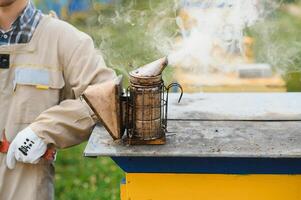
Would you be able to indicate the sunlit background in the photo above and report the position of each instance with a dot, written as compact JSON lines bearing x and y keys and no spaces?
{"x":213,"y":46}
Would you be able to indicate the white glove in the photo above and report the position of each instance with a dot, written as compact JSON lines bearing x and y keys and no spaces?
{"x":27,"y":147}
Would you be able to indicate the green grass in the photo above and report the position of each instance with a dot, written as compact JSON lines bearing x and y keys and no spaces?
{"x":80,"y":178}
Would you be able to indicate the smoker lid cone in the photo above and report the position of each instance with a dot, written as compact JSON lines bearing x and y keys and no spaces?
{"x":150,"y":70}
{"x":104,"y":99}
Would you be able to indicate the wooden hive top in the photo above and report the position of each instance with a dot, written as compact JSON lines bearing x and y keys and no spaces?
{"x":220,"y":125}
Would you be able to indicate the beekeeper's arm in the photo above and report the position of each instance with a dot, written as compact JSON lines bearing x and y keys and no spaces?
{"x":70,"y":122}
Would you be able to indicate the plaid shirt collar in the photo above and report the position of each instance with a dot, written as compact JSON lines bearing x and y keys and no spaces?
{"x":25,"y":16}
{"x":23,"y":27}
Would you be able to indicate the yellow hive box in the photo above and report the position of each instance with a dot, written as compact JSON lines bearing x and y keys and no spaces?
{"x":210,"y":187}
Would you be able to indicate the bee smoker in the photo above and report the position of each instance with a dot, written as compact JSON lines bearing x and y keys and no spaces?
{"x":140,"y":111}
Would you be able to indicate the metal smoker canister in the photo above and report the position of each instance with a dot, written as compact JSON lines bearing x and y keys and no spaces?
{"x":147,"y":99}
{"x":140,"y":111}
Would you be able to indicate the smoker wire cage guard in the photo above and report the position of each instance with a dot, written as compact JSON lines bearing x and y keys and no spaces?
{"x":147,"y":108}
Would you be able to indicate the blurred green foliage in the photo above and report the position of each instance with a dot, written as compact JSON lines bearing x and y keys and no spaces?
{"x":79,"y":178}
{"x":278,"y":42}
{"x":293,"y":81}
{"x":128,"y":34}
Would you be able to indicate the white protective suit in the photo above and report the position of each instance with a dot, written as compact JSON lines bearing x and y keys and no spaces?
{"x":41,"y":89}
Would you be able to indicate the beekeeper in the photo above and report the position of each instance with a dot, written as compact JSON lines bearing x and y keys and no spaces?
{"x":45,"y":65}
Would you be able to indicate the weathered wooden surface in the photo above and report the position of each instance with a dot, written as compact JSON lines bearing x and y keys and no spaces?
{"x":236,"y":106}
{"x":210,"y":139}
{"x":198,"y":129}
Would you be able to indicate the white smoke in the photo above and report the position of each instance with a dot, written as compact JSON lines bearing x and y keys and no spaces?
{"x":215,"y":32}
{"x":202,"y":35}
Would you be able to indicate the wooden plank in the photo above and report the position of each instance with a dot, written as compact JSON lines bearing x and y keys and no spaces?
{"x":236,"y":106}
{"x":197,"y":80}
{"x":210,"y":139}
{"x":231,"y":89}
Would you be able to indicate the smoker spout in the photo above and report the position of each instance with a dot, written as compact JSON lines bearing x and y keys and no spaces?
{"x":151,"y":70}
